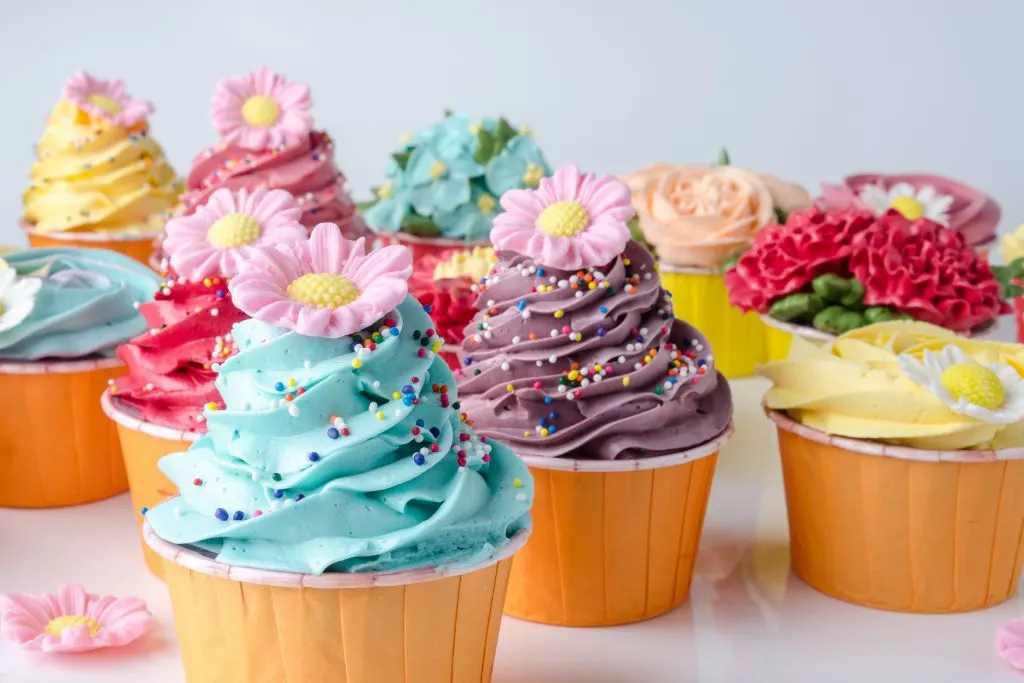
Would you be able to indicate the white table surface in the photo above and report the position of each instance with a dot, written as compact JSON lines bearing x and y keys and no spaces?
{"x":748,"y":618}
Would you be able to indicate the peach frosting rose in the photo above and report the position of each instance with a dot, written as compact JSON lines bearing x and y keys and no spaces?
{"x":700,"y":216}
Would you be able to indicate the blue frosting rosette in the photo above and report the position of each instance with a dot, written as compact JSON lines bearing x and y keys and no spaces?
{"x":447,"y":178}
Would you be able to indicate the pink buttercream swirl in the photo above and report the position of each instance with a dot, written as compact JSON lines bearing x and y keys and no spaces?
{"x":307,"y":170}
{"x":972,"y":213}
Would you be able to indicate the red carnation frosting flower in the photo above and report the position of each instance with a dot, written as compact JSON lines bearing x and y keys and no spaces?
{"x":784,"y":259}
{"x":451,"y":301}
{"x":927,"y":271}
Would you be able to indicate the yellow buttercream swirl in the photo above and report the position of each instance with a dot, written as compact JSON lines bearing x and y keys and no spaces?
{"x":474,"y":264}
{"x":95,"y":176}
{"x":1011,"y":247}
{"x":854,"y":387}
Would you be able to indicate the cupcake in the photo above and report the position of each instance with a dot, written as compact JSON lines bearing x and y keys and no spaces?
{"x":576,"y":362}
{"x":446,"y":286}
{"x":442,"y":187}
{"x":825,"y":273}
{"x":159,"y":405}
{"x":698,"y":219}
{"x":947,"y":202}
{"x":63,"y":311}
{"x":267,"y":141}
{"x":100,"y":180}
{"x":1011,"y":275}
{"x":902,"y":451}
{"x":339,"y":496}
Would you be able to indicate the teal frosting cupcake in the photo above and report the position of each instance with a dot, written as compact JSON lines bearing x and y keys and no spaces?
{"x":70,"y":303}
{"x":446,"y":179}
{"x":330,"y":458}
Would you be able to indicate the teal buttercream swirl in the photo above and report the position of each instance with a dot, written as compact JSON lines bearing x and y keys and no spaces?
{"x":85,"y":306}
{"x":331,"y":456}
{"x":446,"y":180}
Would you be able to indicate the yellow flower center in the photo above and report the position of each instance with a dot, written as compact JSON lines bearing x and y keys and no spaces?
{"x":532,"y":175}
{"x":563,"y":219}
{"x":234,"y":230}
{"x":384,"y":191}
{"x":56,"y":626}
{"x":105,"y":103}
{"x":474,"y":128}
{"x":1,"y":307}
{"x":486,"y":204}
{"x":323,"y":290}
{"x":975,"y":384}
{"x":405,"y":138}
{"x":438,"y":169}
{"x":910,"y":207}
{"x":260,"y":111}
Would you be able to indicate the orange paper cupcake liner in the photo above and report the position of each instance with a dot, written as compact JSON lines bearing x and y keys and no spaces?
{"x":613,"y":542}
{"x":142,"y":445}
{"x":900,"y":528}
{"x":138,"y":247}
{"x":239,"y":625}
{"x":56,"y":447}
{"x":426,"y":246}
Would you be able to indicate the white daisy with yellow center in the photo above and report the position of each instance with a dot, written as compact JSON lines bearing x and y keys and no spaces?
{"x":988,"y":392}
{"x":912,"y":202}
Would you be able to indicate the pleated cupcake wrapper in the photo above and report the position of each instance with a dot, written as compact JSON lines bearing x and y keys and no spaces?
{"x":902,"y":528}
{"x":142,"y":445}
{"x":613,"y":541}
{"x":426,"y":246}
{"x":56,"y":448}
{"x":240,"y":625}
{"x":739,"y":341}
{"x":137,"y":245}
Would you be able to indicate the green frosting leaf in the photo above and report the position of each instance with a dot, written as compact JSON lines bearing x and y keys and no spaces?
{"x":1009,"y":277}
{"x":883,"y":314}
{"x":831,"y":288}
{"x":486,"y":145}
{"x":448,"y":112}
{"x":504,"y":132}
{"x":854,"y":298}
{"x":420,"y":226}
{"x":838,"y":320}
{"x":369,"y":203}
{"x":730,"y":263}
{"x":402,"y":158}
{"x":796,"y":307}
{"x":781,"y":216}
{"x":723,"y":157}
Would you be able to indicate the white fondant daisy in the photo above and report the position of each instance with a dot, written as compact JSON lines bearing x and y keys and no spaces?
{"x":989,"y":392}
{"x":17,"y":297}
{"x":912,"y":202}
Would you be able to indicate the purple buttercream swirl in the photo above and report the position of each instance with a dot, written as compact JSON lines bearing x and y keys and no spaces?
{"x":589,"y":365}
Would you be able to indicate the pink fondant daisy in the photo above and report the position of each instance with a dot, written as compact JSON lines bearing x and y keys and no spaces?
{"x":572,"y":220}
{"x":105,"y":99}
{"x":325,"y":287}
{"x":72,"y":620}
{"x":261,"y":110}
{"x":216,"y":239}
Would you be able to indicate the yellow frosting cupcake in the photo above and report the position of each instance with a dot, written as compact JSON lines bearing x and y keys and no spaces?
{"x":474,"y":264}
{"x":1011,"y":247}
{"x":97,"y":169}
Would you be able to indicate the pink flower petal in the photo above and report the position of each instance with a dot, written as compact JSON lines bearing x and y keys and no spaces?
{"x":73,"y":599}
{"x":1010,"y":643}
{"x":391,"y":261}
{"x":329,"y":250}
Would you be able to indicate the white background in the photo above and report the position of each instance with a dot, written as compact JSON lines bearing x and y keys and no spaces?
{"x":808,"y":89}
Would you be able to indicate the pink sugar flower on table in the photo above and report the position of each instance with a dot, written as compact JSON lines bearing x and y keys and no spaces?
{"x":105,"y":99}
{"x":221,"y":234}
{"x":327,"y":286}
{"x":572,"y":220}
{"x":261,"y":110}
{"x":72,"y":621}
{"x":1010,"y":643}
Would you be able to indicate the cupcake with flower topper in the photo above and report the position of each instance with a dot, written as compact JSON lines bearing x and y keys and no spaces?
{"x":576,"y":361}
{"x":160,"y":405}
{"x":902,"y":447}
{"x":268,"y":141}
{"x":63,"y":311}
{"x":699,"y":218}
{"x":947,"y":202}
{"x":100,"y":179}
{"x":446,"y":285}
{"x":339,"y":475}
{"x":823,"y":274}
{"x":442,"y":186}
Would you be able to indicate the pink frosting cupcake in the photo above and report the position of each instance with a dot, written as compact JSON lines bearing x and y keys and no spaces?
{"x":948,"y":202}
{"x":268,"y":142}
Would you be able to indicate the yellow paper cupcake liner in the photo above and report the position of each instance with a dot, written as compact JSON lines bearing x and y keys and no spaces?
{"x":739,"y":341}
